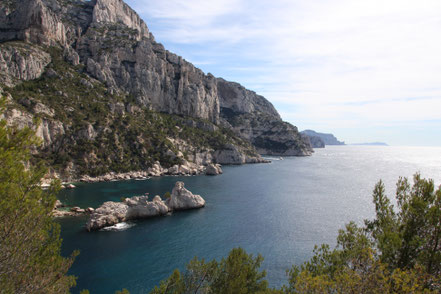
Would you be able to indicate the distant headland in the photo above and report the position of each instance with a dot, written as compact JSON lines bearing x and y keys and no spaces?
{"x":320,"y":140}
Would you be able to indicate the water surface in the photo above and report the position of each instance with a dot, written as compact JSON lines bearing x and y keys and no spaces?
{"x":279,"y":210}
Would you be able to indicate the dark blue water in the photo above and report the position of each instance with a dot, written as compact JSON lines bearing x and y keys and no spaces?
{"x":279,"y":210}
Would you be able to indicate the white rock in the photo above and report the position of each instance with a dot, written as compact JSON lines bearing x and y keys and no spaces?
{"x":111,"y":213}
{"x":182,"y":199}
{"x":213,"y":170}
{"x":58,"y":204}
{"x":174,"y":170}
{"x":184,"y":169}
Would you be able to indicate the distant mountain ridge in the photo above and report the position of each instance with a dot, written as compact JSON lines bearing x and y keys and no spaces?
{"x":110,"y":98}
{"x":319,"y":140}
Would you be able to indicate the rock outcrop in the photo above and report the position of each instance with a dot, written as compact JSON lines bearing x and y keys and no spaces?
{"x":33,"y":21}
{"x":316,"y":142}
{"x":21,"y":62}
{"x":255,"y":119}
{"x":236,"y":98}
{"x":139,"y":207}
{"x":213,"y":170}
{"x":328,"y":139}
{"x":182,"y":199}
{"x":60,"y":210}
{"x":116,"y":11}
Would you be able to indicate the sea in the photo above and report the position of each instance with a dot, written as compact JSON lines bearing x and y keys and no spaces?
{"x":279,"y":210}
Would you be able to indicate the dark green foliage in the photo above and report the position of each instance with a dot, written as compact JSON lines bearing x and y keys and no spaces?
{"x":239,"y":273}
{"x":413,"y":234}
{"x":166,"y":195}
{"x":30,"y":260}
{"x":397,"y":252}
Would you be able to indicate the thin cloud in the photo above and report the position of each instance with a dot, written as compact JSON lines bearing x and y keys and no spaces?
{"x":322,"y":63}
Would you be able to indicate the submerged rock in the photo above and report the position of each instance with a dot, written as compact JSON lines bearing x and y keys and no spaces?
{"x":138,"y":207}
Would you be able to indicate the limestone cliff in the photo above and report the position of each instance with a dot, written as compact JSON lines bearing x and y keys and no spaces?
{"x":328,"y":139}
{"x":93,"y":73}
{"x":255,"y":119}
{"x":316,"y":142}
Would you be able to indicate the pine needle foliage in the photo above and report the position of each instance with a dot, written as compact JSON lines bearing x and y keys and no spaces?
{"x":30,"y":260}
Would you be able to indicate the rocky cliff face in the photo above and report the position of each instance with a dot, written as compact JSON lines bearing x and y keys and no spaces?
{"x":328,"y":139}
{"x":316,"y":142}
{"x":21,"y":62}
{"x":255,"y":119}
{"x":88,"y":68}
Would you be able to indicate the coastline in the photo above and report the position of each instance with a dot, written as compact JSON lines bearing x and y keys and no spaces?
{"x":185,"y":169}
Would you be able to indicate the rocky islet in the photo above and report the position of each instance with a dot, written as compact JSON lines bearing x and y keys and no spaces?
{"x":139,"y":207}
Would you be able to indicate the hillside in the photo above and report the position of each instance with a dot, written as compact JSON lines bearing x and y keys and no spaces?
{"x":108,"y":97}
{"x":327,"y":139}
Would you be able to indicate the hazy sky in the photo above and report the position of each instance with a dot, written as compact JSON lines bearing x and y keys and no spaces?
{"x":362,"y":70}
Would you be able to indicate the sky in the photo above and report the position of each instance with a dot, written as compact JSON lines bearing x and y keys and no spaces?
{"x":365,"y":71}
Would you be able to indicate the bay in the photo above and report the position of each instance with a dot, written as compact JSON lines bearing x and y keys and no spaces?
{"x":280,"y":210}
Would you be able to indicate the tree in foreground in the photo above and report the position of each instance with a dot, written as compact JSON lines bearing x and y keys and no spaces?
{"x":30,"y":260}
{"x":239,"y":273}
{"x":398,"y":252}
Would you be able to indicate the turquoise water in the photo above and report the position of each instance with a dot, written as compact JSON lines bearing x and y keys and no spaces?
{"x":279,"y":210}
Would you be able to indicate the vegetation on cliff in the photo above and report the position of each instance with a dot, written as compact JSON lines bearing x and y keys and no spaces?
{"x":98,"y":131}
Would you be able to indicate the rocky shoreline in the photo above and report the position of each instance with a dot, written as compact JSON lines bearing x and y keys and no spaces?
{"x":139,"y":207}
{"x":185,"y":169}
{"x":61,"y":210}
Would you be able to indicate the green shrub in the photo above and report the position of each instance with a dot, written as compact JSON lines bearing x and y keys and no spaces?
{"x":167,"y":195}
